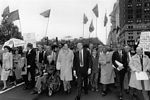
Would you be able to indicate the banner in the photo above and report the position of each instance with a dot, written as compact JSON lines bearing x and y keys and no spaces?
{"x":13,"y":16}
{"x":95,"y":10}
{"x":46,"y":13}
{"x":85,"y":19}
{"x":91,"y":28}
{"x":5,"y":12}
{"x":105,"y":20}
{"x":145,"y":41}
{"x":29,"y":38}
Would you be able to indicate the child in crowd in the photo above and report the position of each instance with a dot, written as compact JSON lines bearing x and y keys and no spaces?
{"x":95,"y":70}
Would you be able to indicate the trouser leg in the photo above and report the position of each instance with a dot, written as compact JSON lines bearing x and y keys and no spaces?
{"x":25,"y":79}
{"x":32,"y":72}
{"x":85,"y":80}
{"x":38,"y":84}
{"x":145,"y":95}
{"x":79,"y":86}
{"x":65,"y":85}
{"x":96,"y":80}
{"x":121,"y":78}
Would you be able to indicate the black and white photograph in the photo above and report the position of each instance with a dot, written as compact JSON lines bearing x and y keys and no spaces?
{"x":75,"y":49}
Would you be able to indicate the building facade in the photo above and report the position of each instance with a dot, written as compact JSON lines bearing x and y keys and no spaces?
{"x":134,"y":18}
{"x":114,"y":16}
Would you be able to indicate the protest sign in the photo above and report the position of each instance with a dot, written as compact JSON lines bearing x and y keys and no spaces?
{"x":145,"y":41}
{"x":29,"y":38}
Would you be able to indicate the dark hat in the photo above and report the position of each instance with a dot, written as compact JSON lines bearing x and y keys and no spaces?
{"x":7,"y":47}
{"x":30,"y":45}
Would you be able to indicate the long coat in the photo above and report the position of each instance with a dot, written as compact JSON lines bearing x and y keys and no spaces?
{"x":107,"y":71}
{"x":65,"y":60}
{"x":135,"y":65}
{"x":7,"y":65}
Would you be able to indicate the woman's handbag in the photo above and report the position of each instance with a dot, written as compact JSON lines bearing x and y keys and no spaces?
{"x":11,"y":73}
{"x":24,"y":70}
{"x":58,"y":66}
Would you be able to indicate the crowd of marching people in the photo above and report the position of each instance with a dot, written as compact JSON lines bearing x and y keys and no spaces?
{"x":92,"y":67}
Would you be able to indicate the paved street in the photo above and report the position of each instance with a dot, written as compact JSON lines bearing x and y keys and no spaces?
{"x":19,"y":94}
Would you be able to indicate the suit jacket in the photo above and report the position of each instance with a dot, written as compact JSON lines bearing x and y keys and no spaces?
{"x":86,"y":60}
{"x":44,"y":57}
{"x":39,"y":57}
{"x":95,"y":64}
{"x":31,"y":57}
{"x":116,"y":57}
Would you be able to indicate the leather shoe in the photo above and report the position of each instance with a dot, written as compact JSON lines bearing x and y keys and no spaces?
{"x":104,"y":93}
{"x":77,"y":98}
{"x":120,"y":98}
{"x":86,"y":92}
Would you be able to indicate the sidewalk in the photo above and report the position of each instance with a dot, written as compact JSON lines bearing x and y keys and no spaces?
{"x":1,"y":83}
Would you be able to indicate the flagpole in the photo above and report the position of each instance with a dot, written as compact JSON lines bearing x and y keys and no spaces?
{"x":20,"y":26}
{"x":83,"y":30}
{"x":96,"y":27}
{"x":89,"y":37}
{"x":106,"y":34}
{"x":47,"y":26}
{"x":106,"y":26}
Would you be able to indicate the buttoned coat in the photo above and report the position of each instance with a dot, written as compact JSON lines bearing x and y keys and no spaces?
{"x":135,"y":65}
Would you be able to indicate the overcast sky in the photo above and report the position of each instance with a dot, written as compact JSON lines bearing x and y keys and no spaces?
{"x":65,"y":19}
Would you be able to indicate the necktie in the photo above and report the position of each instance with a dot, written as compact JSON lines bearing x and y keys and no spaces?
{"x":141,"y":59}
{"x":81,"y":58}
{"x":142,"y":82}
{"x":120,"y":54}
{"x":29,"y":51}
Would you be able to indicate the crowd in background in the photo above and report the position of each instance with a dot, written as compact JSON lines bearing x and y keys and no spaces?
{"x":92,"y":67}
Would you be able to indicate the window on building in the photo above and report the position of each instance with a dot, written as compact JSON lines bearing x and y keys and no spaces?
{"x":130,"y":5}
{"x":138,"y":33}
{"x":147,"y":10}
{"x":130,"y":27}
{"x":139,"y":0}
{"x":147,"y":4}
{"x":138,"y":5}
{"x":139,"y":13}
{"x":130,"y":11}
{"x":130,"y":33}
{"x":130,"y":1}
{"x":130,"y":21}
{"x":138,"y":20}
{"x":130,"y":37}
{"x":138,"y":16}
{"x":130,"y":17}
